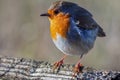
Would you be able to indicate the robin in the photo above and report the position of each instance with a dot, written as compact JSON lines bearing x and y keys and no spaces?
{"x":73,"y":30}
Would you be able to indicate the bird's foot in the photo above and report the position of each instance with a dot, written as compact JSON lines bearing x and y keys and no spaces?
{"x":57,"y":65}
{"x":77,"y":69}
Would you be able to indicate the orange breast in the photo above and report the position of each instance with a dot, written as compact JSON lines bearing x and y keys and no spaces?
{"x":59,"y":25}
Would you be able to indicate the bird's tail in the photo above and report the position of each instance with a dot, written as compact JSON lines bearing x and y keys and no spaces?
{"x":101,"y":33}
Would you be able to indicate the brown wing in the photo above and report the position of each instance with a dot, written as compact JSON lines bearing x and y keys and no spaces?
{"x":87,"y":22}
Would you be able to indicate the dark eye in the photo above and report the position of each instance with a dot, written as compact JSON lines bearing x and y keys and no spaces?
{"x":56,"y":12}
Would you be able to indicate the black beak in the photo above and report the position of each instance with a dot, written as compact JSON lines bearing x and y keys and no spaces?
{"x":45,"y":14}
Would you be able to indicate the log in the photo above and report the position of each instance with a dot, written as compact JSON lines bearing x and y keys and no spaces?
{"x":28,"y":69}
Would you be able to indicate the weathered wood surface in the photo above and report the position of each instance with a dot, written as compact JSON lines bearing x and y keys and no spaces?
{"x":26,"y":69}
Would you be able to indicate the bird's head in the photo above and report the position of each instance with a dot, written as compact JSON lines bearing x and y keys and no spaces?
{"x":62,"y":8}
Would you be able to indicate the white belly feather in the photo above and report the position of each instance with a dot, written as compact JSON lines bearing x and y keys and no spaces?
{"x":63,"y":45}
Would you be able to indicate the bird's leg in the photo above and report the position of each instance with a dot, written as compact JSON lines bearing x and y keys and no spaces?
{"x":78,"y":68}
{"x":58,"y":64}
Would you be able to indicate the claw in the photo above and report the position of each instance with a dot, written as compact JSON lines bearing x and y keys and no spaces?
{"x":77,"y":69}
{"x":57,"y":65}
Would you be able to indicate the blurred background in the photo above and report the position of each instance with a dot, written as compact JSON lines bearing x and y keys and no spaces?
{"x":23,"y":33}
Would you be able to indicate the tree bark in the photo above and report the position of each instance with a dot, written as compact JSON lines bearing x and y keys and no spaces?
{"x":27,"y":69}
